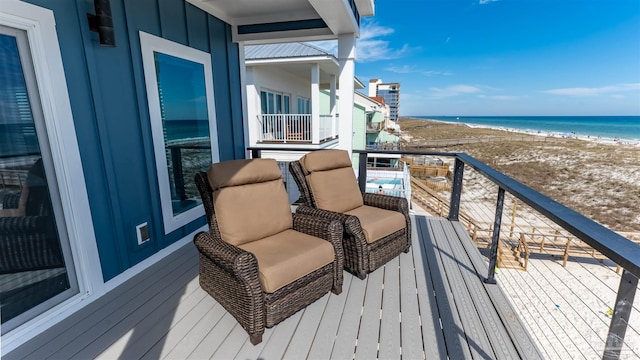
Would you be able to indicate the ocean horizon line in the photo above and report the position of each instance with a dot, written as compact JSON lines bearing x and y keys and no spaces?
{"x":624,"y":128}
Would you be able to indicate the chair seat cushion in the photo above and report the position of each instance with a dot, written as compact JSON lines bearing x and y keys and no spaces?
{"x":378,"y":223}
{"x":288,"y":256}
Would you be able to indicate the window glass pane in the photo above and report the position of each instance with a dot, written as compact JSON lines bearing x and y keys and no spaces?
{"x":32,"y":264}
{"x":278,"y":104}
{"x":263,"y":102}
{"x":271,"y":106}
{"x":287,"y":105}
{"x":185,"y":122}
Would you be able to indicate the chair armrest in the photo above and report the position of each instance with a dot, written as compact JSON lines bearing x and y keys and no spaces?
{"x":321,"y":213}
{"x":330,"y":230}
{"x":228,"y":257}
{"x":19,"y":225}
{"x":351,"y":224}
{"x":387,"y":202}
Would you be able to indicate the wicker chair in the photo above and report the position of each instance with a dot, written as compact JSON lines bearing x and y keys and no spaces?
{"x":259,"y":261}
{"x":377,"y":227}
{"x":28,"y":234}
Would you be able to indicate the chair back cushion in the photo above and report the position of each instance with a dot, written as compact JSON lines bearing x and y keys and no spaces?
{"x":331,"y":180}
{"x":249,"y":200}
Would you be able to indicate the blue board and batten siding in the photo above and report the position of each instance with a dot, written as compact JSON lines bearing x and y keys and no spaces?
{"x":109,"y":104}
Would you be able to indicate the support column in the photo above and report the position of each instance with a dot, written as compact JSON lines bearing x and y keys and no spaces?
{"x":346,"y":59}
{"x":315,"y":104}
{"x":251,"y":128}
{"x":332,"y":105}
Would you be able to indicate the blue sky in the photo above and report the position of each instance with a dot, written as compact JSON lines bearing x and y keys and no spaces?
{"x":506,"y":57}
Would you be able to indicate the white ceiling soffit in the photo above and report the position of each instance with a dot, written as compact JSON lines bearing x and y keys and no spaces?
{"x":366,"y":7}
{"x":335,"y":13}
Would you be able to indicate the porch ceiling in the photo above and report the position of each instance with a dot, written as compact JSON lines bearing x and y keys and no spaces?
{"x":303,"y":70}
{"x":336,"y":14}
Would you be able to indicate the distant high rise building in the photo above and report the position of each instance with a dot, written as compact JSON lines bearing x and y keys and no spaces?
{"x":391,"y":94}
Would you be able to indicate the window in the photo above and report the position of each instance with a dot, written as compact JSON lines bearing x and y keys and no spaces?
{"x":36,"y":266}
{"x":304,"y":106}
{"x":179,"y":86}
{"x":275,"y":103}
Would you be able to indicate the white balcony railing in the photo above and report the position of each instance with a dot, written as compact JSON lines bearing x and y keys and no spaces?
{"x":294,"y":128}
{"x":328,"y":127}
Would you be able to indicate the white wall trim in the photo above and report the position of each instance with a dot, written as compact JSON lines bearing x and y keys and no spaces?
{"x":150,"y":44}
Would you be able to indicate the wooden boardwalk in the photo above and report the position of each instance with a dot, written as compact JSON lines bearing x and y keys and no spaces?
{"x":430,"y":303}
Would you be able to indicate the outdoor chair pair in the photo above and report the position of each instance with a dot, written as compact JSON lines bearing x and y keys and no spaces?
{"x":262,"y":263}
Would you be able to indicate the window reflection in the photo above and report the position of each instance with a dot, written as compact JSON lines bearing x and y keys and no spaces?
{"x":32,"y":266}
{"x":185,"y":122}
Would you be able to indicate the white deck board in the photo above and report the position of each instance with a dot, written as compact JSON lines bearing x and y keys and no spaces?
{"x":328,"y":328}
{"x":427,"y":304}
{"x":369,"y":332}
{"x":455,"y":338}
{"x":410,"y":329}
{"x":477,"y":338}
{"x":350,"y":321}
{"x":390,"y":322}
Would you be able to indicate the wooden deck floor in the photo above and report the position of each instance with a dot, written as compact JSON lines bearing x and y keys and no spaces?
{"x":427,"y":304}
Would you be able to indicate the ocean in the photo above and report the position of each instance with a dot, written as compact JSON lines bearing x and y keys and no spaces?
{"x":606,"y":127}
{"x":20,"y":139}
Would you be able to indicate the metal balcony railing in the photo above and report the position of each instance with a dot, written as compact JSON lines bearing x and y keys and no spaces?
{"x":577,"y":329}
{"x":567,"y":314}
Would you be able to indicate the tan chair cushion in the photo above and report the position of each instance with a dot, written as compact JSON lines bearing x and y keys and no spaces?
{"x":378,"y":223}
{"x":325,"y":160}
{"x":331,"y":180}
{"x":249,"y":200}
{"x":241,"y":172}
{"x":288,"y":256}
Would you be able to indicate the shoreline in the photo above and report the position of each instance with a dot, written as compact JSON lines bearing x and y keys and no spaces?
{"x":576,"y":136}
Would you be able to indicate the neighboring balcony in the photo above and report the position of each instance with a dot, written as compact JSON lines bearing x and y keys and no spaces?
{"x":296,"y":129}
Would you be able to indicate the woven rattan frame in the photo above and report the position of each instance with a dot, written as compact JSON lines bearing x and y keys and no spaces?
{"x":230,"y":274}
{"x":360,"y":257}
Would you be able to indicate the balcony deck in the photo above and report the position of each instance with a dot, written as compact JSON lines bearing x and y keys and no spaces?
{"x":430,"y":303}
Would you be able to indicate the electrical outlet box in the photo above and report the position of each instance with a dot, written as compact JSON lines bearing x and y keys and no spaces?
{"x":143,"y":233}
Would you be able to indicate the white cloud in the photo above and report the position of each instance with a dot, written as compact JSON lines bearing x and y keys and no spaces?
{"x":435,"y":73}
{"x":453,"y":90}
{"x":499,"y":97}
{"x":408,"y":69}
{"x":583,"y":91}
{"x":404,"y":69}
{"x":484,"y":2}
{"x":369,"y":47}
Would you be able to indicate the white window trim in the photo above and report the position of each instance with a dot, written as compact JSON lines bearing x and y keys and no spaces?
{"x":150,"y":43}
{"x":39,"y":24}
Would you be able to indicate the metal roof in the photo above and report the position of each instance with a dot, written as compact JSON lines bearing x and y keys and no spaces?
{"x":284,"y":50}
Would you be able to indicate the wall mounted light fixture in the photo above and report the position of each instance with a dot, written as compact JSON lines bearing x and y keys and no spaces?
{"x":102,"y":22}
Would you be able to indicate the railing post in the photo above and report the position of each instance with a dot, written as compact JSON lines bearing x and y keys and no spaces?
{"x":456,"y":190}
{"x":621,"y":313}
{"x":255,"y":153}
{"x":493,"y":255}
{"x":362,"y":171}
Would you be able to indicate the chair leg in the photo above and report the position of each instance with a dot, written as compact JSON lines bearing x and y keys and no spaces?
{"x":361,"y":275}
{"x":255,"y":339}
{"x":337,"y":290}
